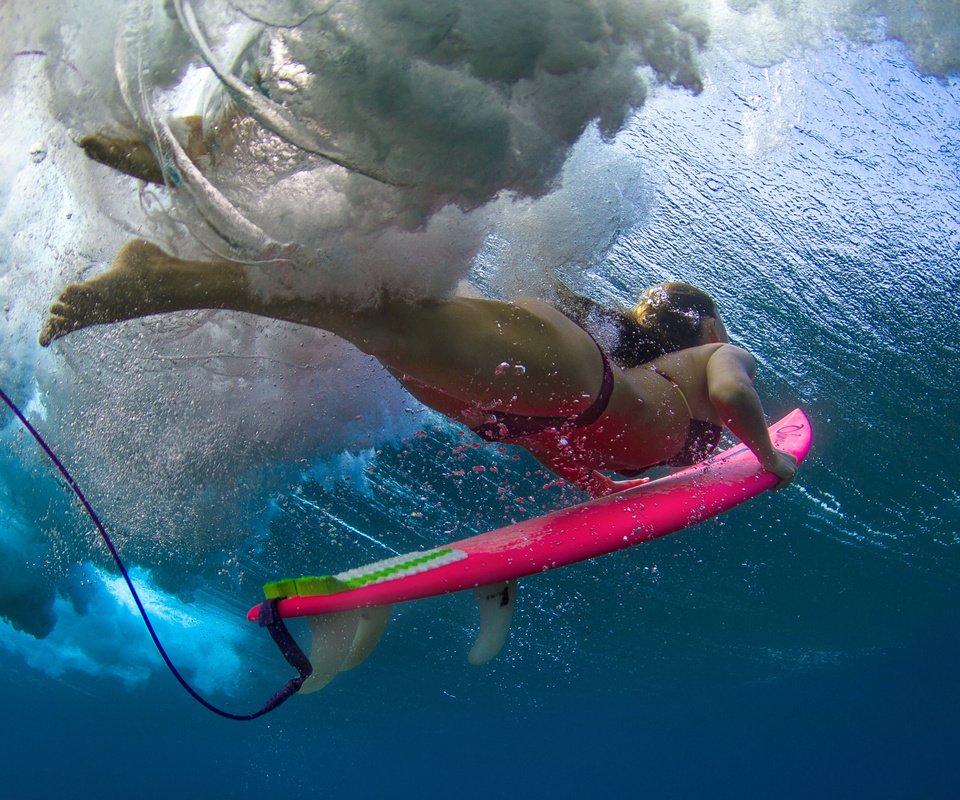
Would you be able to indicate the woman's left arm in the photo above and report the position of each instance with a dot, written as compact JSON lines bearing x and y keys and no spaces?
{"x":730,"y":374}
{"x":593,"y":482}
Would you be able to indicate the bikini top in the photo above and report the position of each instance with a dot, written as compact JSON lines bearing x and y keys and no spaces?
{"x":702,"y":436}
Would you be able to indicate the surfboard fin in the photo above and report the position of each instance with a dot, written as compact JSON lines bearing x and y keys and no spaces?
{"x":372,"y":622}
{"x":341,"y":641}
{"x":496,"y":602}
{"x":333,"y":635}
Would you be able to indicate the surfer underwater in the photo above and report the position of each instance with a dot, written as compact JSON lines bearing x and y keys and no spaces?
{"x":520,"y":372}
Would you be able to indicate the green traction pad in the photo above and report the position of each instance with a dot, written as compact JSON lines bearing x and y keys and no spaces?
{"x":379,"y":571}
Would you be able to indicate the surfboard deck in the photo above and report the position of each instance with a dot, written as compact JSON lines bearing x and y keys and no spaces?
{"x":573,"y":534}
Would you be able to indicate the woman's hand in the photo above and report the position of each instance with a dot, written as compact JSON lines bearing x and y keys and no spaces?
{"x":784,"y":466}
{"x":599,"y":485}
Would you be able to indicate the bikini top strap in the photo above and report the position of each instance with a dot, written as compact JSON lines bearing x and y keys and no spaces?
{"x":676,"y":386}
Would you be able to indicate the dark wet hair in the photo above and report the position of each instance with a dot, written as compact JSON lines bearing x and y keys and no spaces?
{"x":668,"y":317}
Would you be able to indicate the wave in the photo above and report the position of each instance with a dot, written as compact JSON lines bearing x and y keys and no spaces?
{"x":391,"y":145}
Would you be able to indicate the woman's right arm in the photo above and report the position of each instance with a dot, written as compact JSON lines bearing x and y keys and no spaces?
{"x":730,"y":375}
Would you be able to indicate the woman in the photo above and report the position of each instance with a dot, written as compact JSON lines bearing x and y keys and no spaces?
{"x":519,"y":372}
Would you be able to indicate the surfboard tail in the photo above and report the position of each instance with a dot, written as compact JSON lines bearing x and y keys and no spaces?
{"x":342,"y":640}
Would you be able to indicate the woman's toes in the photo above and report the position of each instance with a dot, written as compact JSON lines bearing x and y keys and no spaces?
{"x":60,"y":309}
{"x":53,"y":328}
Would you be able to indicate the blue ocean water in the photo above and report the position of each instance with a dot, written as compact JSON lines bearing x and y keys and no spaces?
{"x":803,"y":644}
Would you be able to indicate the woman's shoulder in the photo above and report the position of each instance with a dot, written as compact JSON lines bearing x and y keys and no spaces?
{"x":689,"y":367}
{"x":725,"y":352}
{"x":689,"y":356}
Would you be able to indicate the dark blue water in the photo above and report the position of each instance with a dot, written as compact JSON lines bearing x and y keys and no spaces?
{"x":802,"y":645}
{"x":882,"y":725}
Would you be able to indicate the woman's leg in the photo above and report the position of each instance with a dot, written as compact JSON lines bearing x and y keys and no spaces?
{"x":525,"y":357}
{"x":144,"y":280}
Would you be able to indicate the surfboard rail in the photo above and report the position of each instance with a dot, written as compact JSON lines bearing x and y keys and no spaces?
{"x":556,"y":539}
{"x":348,"y":611}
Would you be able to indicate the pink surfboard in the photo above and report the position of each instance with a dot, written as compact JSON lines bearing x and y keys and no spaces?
{"x":491,"y":562}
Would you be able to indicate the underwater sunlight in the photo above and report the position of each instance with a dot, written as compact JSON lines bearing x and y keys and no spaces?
{"x":799,"y":161}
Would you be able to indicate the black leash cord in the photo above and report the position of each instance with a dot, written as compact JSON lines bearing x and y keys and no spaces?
{"x":269,"y":617}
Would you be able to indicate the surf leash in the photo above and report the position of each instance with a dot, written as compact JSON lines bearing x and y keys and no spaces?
{"x":268,"y":618}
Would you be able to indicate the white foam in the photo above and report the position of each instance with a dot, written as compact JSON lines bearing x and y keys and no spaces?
{"x":100,"y":633}
{"x":161,"y":416}
{"x":765,"y":32}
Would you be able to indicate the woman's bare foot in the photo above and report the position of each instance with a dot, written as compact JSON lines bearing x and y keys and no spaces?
{"x":133,"y":156}
{"x":130,"y":156}
{"x":135,"y":286}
